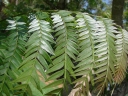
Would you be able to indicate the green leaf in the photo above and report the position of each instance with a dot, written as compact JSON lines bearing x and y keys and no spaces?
{"x":56,"y":75}
{"x":35,"y":91}
{"x":54,"y":84}
{"x":56,"y":67}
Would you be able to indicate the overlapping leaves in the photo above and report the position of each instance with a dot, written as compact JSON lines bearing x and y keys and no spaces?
{"x":122,"y":51}
{"x":86,"y":59}
{"x":105,"y":52}
{"x":65,"y":48}
{"x":79,"y":49}
{"x":13,"y":49}
{"x":36,"y":58}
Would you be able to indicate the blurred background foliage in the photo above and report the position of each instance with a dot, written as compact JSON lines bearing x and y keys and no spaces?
{"x":96,"y":7}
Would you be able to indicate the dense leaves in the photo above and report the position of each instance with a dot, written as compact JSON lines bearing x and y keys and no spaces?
{"x":45,"y":52}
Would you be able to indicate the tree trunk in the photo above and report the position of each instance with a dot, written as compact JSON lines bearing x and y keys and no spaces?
{"x":117,"y":11}
{"x":117,"y":16}
{"x":62,"y":4}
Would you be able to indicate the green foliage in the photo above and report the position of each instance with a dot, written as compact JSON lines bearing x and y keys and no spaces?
{"x":44,"y":52}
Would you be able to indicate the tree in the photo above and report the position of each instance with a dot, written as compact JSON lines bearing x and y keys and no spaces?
{"x":117,"y":11}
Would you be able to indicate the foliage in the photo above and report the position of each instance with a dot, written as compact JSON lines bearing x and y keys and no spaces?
{"x":15,"y":7}
{"x":46,"y":51}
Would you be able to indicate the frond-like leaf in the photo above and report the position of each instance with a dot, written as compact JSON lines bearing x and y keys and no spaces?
{"x":105,"y":52}
{"x":66,"y":47}
{"x":13,"y":56}
{"x":87,"y":28}
{"x":122,"y":51}
{"x":36,"y":57}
